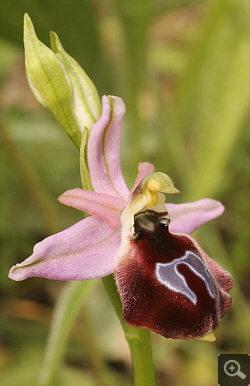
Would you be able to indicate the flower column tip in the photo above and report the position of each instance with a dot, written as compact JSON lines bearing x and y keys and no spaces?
{"x":154,"y":183}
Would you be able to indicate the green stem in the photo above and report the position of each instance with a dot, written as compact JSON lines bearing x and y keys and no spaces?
{"x":138,"y":339}
{"x":140,"y":346}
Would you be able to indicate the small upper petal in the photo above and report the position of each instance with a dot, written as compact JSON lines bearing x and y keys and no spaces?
{"x":100,"y":205}
{"x":84,"y":251}
{"x":187,"y":217}
{"x":145,"y":168}
{"x":104,"y":150}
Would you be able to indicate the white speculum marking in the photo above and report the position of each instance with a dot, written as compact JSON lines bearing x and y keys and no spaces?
{"x":168,"y":274}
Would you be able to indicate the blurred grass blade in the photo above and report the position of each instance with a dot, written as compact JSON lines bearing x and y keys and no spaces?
{"x":212,"y":98}
{"x":134,"y":19}
{"x":32,"y":183}
{"x":66,"y":310}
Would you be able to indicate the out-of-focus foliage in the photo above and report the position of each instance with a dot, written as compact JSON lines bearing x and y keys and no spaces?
{"x":182,"y":68}
{"x":75,"y":22}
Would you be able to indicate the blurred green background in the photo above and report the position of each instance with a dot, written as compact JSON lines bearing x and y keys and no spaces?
{"x":182,"y":68}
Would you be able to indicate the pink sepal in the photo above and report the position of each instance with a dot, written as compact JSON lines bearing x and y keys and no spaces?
{"x":104,"y":150}
{"x":84,"y":251}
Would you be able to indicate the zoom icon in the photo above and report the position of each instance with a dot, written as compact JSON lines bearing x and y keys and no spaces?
{"x":233,"y":369}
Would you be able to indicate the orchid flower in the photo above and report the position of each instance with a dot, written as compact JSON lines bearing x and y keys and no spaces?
{"x":166,"y":282}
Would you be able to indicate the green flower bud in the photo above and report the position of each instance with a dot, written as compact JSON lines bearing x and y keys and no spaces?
{"x":60,"y":84}
{"x":86,"y":101}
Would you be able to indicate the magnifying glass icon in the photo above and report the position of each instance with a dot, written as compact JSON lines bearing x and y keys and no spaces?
{"x":232,"y":368}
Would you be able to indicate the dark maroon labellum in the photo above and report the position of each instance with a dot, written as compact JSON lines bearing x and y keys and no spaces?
{"x":165,"y":284}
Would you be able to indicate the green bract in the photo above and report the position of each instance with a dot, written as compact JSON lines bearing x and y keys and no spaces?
{"x":86,"y":100}
{"x":60,"y":84}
